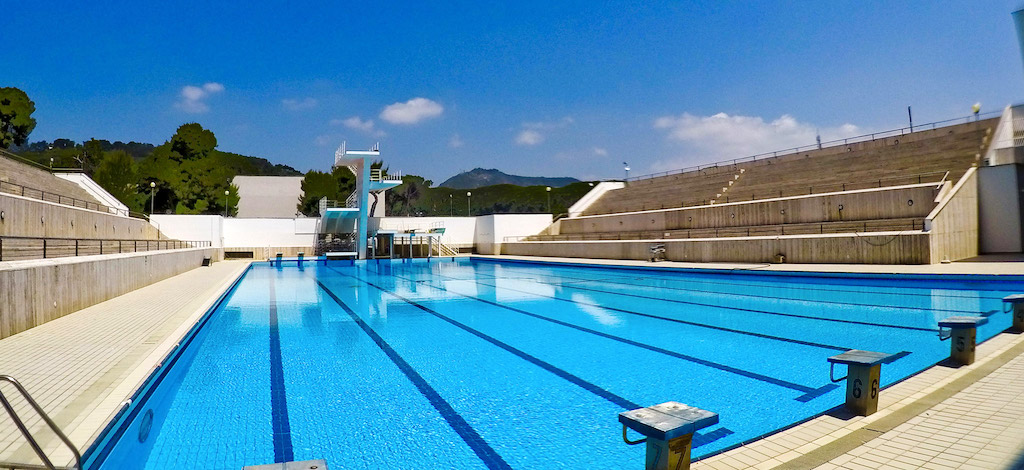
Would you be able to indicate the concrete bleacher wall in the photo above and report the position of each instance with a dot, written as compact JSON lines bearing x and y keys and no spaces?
{"x":37,"y":291}
{"x":953,"y":224}
{"x":875,"y":248}
{"x":25,"y":174}
{"x":27,"y":217}
{"x":917,"y":157}
{"x":870,"y":204}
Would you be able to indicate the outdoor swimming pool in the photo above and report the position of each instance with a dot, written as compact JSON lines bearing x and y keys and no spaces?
{"x":483,"y":364}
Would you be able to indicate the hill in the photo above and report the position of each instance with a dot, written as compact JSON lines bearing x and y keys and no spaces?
{"x":479,"y":177}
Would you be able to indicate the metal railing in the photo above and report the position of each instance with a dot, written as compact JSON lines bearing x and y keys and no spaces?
{"x":936,"y":177}
{"x":49,"y":196}
{"x":378,"y":175}
{"x":23,"y":248}
{"x":832,"y":143}
{"x":28,"y":434}
{"x":741,"y":231}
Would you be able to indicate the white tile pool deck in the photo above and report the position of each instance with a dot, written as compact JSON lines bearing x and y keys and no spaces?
{"x":83,"y":366}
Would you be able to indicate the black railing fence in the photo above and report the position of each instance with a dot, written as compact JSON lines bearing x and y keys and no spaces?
{"x":24,"y":248}
{"x":50,"y":196}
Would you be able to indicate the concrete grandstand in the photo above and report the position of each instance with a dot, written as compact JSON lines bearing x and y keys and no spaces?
{"x":902,"y":197}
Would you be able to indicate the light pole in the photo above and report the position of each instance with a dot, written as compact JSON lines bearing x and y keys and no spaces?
{"x":549,"y":198}
{"x":976,"y":109}
{"x":625,"y":166}
{"x":51,"y":163}
{"x":152,"y":196}
{"x":469,"y":200}
{"x":226,"y":192}
{"x":451,"y":204}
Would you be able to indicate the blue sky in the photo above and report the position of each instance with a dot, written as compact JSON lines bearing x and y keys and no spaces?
{"x":563,"y":88}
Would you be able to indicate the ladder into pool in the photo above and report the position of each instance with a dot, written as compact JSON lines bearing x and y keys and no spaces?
{"x":47,"y":464}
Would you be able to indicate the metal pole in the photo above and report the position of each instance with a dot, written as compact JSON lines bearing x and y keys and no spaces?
{"x":911,"y":117}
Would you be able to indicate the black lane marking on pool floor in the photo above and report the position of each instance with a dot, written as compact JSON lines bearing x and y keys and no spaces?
{"x":617,"y":400}
{"x":698,"y":437}
{"x":803,"y":287}
{"x":488,"y":455}
{"x":572,"y":285}
{"x":673,"y":320}
{"x":283,"y":451}
{"x":810,"y":393}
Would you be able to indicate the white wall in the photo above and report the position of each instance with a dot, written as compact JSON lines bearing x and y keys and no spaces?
{"x":269,"y":232}
{"x":190,"y":227}
{"x":492,"y":229}
{"x":95,"y":190}
{"x":485,"y":232}
{"x":999,"y":209}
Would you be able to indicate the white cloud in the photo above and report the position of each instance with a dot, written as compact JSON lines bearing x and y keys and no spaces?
{"x":723,"y":136}
{"x":298,"y":105}
{"x":455,"y":142}
{"x":357,"y":123}
{"x":322,"y":140}
{"x":601,"y":152}
{"x":529,"y":137}
{"x":548,"y":125}
{"x":530,"y":132}
{"x":193,"y":98}
{"x":412,"y":111}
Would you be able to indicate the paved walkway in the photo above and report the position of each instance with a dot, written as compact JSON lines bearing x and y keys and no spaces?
{"x":81,"y":367}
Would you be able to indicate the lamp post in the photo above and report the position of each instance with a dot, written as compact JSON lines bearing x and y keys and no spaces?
{"x":625,"y":166}
{"x":226,"y":192}
{"x":469,"y":200}
{"x":51,"y":163}
{"x":976,"y":109}
{"x":451,"y":204}
{"x":549,"y":198}
{"x":152,"y":196}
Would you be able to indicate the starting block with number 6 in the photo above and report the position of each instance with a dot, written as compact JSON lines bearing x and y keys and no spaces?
{"x":863,"y":378}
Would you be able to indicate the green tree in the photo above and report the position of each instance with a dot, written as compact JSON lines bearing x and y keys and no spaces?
{"x":16,"y":121}
{"x":335,"y":186}
{"x":118,"y":173}
{"x":92,"y":154}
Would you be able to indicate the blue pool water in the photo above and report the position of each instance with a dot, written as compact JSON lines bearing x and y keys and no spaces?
{"x":483,"y":364}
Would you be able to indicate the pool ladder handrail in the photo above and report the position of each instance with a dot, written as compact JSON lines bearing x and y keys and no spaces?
{"x":28,"y":435}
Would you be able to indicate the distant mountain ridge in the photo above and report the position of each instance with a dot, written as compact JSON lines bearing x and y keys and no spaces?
{"x":479,"y":177}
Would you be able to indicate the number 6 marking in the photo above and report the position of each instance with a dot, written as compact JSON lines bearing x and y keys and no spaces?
{"x":856,"y":388}
{"x":960,"y":343}
{"x":874,"y":389}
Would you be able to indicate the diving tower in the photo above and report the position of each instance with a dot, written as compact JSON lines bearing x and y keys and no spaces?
{"x":343,"y":227}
